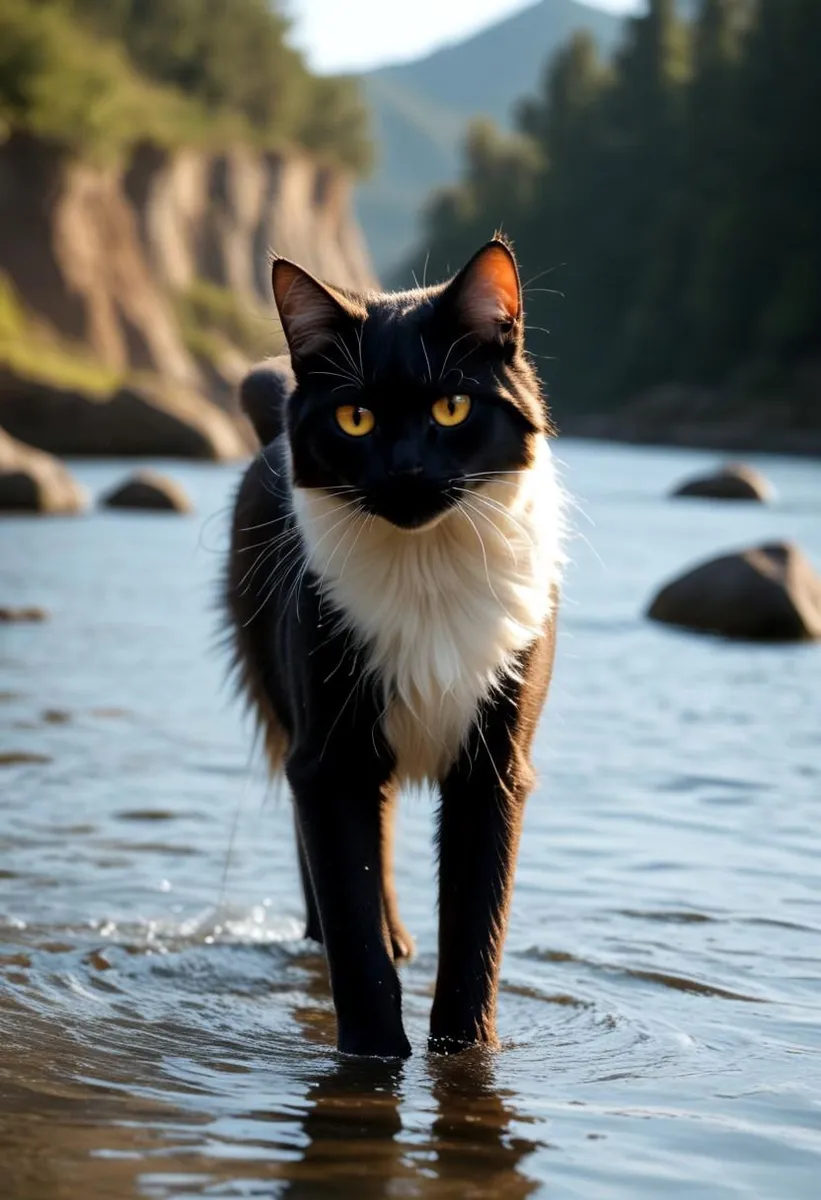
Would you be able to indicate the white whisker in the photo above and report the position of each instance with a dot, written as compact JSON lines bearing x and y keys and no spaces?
{"x":427,"y":360}
{"x":359,"y":334}
{"x":475,"y":529}
{"x":501,"y":508}
{"x":344,"y":375}
{"x":343,"y":346}
{"x":494,"y":527}
{"x":451,"y":347}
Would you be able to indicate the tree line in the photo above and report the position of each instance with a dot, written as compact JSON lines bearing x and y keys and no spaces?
{"x":98,"y":74}
{"x":665,"y":205}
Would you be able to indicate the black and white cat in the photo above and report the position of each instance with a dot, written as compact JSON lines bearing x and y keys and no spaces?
{"x":392,"y":588}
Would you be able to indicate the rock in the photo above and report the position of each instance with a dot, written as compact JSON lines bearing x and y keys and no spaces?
{"x":70,"y":244}
{"x":149,"y":419}
{"x":148,"y":489}
{"x":735,"y":481}
{"x":55,"y":716}
{"x":32,"y":613}
{"x":205,"y":214}
{"x":765,"y":593}
{"x":17,"y":758}
{"x":31,"y":481}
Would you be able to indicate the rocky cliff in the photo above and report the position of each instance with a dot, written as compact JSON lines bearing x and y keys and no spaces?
{"x":217,"y":216}
{"x":102,"y":259}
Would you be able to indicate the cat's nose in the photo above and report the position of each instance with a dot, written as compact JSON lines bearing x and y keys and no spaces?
{"x":404,"y":462}
{"x":405,"y":470}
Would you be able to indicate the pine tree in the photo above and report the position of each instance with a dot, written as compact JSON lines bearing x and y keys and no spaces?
{"x":674,"y":198}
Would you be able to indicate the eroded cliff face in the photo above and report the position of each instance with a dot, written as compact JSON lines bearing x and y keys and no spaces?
{"x":70,"y":244}
{"x":219,"y":216}
{"x":97,"y":254}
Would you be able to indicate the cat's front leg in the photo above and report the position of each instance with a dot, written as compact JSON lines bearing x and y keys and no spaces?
{"x":479,"y":830}
{"x":313,"y":926}
{"x":338,"y":806}
{"x":402,"y":943}
{"x":480,"y":822}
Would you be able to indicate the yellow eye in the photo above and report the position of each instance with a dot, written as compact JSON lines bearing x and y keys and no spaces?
{"x":355,"y":421}
{"x":451,"y":410}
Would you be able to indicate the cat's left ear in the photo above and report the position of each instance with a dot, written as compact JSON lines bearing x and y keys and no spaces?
{"x":312,"y":313}
{"x":486,"y":295}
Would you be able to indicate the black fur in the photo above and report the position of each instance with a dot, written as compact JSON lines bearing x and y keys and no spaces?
{"x":264,"y":394}
{"x":305,"y":671}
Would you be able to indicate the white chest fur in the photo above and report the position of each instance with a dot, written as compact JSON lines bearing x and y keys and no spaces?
{"x":443,"y":611}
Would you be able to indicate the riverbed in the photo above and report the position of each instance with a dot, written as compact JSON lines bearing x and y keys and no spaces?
{"x":166,"y":1032}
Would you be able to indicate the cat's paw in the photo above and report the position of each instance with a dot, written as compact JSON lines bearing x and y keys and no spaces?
{"x":402,"y":944}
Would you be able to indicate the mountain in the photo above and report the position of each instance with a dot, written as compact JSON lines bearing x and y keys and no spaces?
{"x":421,"y":110}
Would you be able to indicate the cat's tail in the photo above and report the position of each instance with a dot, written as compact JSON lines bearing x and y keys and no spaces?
{"x":262,"y":396}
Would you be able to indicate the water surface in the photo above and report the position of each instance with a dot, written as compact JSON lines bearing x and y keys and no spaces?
{"x":167,"y":1033}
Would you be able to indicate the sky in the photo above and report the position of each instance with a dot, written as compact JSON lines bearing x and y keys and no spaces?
{"x":351,"y":35}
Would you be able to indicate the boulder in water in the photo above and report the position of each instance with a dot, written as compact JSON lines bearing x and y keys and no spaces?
{"x":31,"y":481}
{"x":766,"y":593}
{"x":735,"y":481}
{"x":148,"y":489}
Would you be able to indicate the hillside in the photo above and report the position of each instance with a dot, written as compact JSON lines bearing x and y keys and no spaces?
{"x":149,"y":157}
{"x":420,"y":111}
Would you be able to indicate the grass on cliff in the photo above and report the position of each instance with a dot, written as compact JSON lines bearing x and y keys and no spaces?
{"x":212,"y":321}
{"x":30,"y":352}
{"x":211,"y":316}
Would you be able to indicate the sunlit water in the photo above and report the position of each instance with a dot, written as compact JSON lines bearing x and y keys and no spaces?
{"x":166,"y":1033}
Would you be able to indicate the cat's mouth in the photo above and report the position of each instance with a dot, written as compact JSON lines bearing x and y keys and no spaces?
{"x":411,"y":508}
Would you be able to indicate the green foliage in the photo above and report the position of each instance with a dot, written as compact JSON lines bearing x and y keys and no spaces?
{"x":335,"y":115}
{"x":210,"y":316}
{"x":674,"y":198}
{"x":100,"y":74}
{"x":32,"y":353}
{"x":58,"y":82}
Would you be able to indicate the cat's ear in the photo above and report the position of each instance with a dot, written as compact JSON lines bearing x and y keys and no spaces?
{"x":486,"y":295}
{"x":311,"y":312}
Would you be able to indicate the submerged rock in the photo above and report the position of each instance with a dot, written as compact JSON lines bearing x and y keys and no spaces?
{"x":735,"y":481}
{"x":31,"y":481}
{"x":28,"y":613}
{"x":765,"y":593}
{"x":18,"y":758}
{"x":149,"y":489}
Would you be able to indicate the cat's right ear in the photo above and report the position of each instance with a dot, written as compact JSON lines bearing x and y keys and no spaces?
{"x":311,"y":312}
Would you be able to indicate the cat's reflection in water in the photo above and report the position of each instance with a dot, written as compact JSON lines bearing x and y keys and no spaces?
{"x":477,"y":1152}
{"x":458,"y":1143}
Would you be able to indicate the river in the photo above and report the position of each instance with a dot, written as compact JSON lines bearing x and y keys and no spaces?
{"x":165,"y":1032}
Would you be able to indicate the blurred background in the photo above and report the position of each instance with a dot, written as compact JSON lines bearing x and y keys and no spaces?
{"x":659,"y":175}
{"x":166,"y":1031}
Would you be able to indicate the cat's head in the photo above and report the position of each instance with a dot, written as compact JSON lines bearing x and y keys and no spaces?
{"x":402,"y":399}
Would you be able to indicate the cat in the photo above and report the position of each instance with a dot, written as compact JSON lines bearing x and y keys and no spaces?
{"x":392,"y":592}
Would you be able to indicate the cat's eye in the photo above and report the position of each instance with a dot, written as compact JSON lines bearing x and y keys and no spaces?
{"x":451,"y":410}
{"x":354,"y":420}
